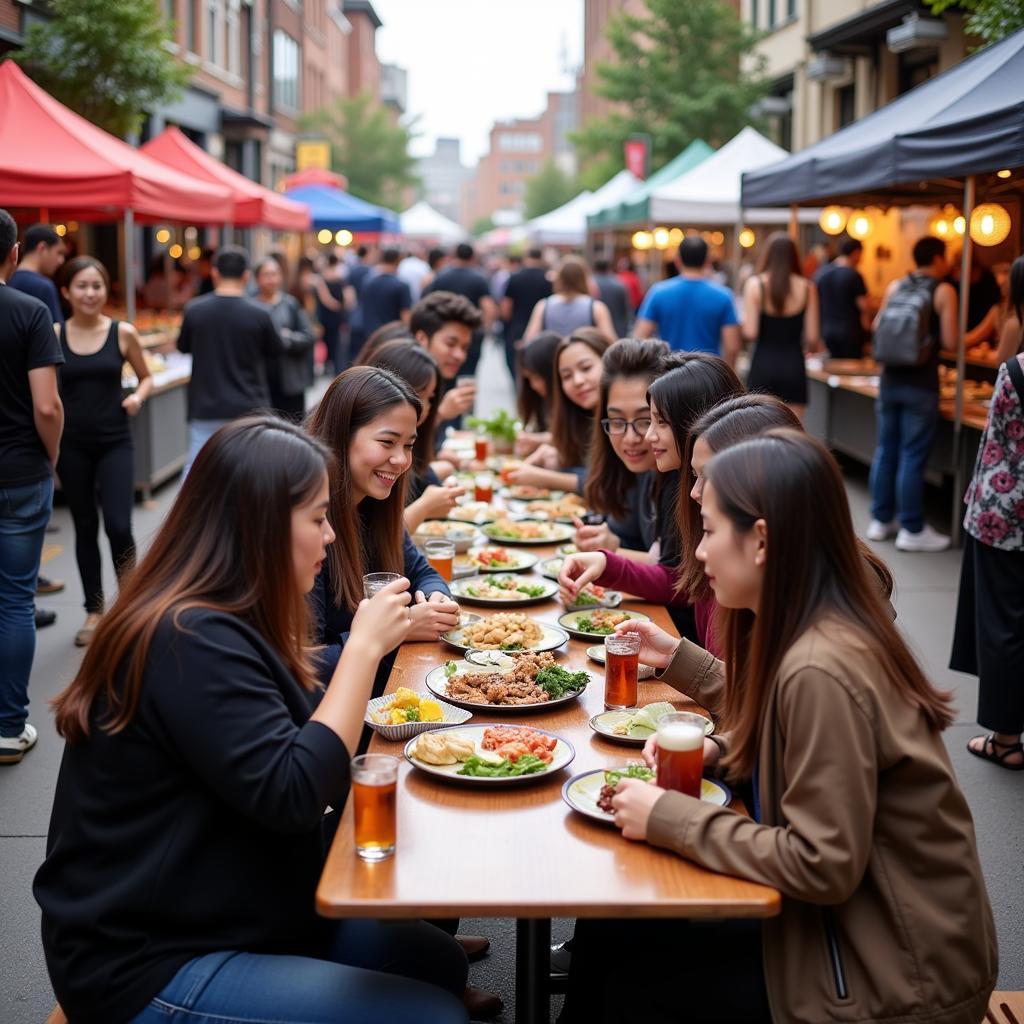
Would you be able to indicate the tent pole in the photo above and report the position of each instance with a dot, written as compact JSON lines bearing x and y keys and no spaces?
{"x":966,"y":255}
{"x":129,"y":263}
{"x":736,"y":250}
{"x":794,"y":222}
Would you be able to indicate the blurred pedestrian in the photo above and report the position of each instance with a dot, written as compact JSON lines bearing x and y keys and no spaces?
{"x":1011,"y":336}
{"x":525,"y":288}
{"x":384,"y":296}
{"x":42,"y":254}
{"x":625,"y":271}
{"x":329,"y":292}
{"x":414,"y":271}
{"x":614,"y":295}
{"x":844,"y":301}
{"x":461,"y":277}
{"x":571,"y":304}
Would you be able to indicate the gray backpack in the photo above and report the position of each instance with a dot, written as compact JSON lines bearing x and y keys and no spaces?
{"x":904,"y":334}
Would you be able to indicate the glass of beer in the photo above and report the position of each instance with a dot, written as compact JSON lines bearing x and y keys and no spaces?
{"x":621,"y":662}
{"x":374,"y":581}
{"x":482,"y":447}
{"x":680,"y":760}
{"x":374,"y":792}
{"x":440,"y":554}
{"x":483,"y":487}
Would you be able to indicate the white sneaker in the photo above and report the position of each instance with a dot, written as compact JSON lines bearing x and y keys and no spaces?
{"x":12,"y":748}
{"x":927,"y":540}
{"x":881,"y":531}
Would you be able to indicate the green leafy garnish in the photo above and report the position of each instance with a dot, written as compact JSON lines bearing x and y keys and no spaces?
{"x":585,"y":624}
{"x":477,"y":767}
{"x":558,"y":682}
{"x":412,"y":714}
{"x":583,"y":597}
{"x":449,"y":669}
{"x":501,"y":425}
{"x":634,"y":771}
{"x":517,"y":646}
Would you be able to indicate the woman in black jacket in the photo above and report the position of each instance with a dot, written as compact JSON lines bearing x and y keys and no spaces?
{"x":189,"y":824}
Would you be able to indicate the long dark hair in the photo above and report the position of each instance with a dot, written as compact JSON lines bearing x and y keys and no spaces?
{"x":780,"y":261}
{"x":355,"y":398}
{"x":74,"y":267}
{"x":571,"y":425}
{"x":417,"y":367}
{"x":394,"y":330}
{"x":537,"y":356}
{"x":814,"y":570}
{"x":609,"y":482}
{"x":224,"y":545}
{"x":1015,"y":290}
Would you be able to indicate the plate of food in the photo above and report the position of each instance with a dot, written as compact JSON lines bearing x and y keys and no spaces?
{"x":405,"y":713}
{"x":551,"y":567}
{"x":526,"y":492}
{"x":490,"y":755}
{"x":506,"y":682}
{"x":463,"y":534}
{"x":596,"y":624}
{"x":526,"y":531}
{"x":634,"y":726}
{"x":505,"y":631}
{"x":595,"y":596}
{"x":500,"y":589}
{"x":563,"y":509}
{"x":502,"y":559}
{"x":476,"y":512}
{"x":596,"y":653}
{"x":568,"y":549}
{"x":590,"y":793}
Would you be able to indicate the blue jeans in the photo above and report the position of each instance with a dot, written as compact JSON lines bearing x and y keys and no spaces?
{"x":24,"y":513}
{"x":398,"y":972}
{"x":907,"y":418}
{"x":199,"y":432}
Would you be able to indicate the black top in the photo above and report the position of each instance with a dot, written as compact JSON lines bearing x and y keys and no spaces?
{"x":777,"y":365}
{"x":383,"y":298}
{"x":638,"y":529}
{"x":614,"y":296}
{"x":982,"y":295}
{"x":331,"y":319}
{"x":90,"y":387}
{"x":463,"y":281}
{"x":27,"y":342}
{"x":671,"y":549}
{"x":231,"y":337}
{"x":525,"y":288}
{"x":199,"y":827}
{"x":292,"y":372}
{"x":41,"y":287}
{"x":839,"y":288}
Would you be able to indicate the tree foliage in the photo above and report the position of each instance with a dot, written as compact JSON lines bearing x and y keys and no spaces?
{"x":482,"y":225}
{"x":368,"y":146}
{"x":991,"y":20}
{"x":105,"y":59}
{"x":681,"y":71}
{"x":548,"y":189}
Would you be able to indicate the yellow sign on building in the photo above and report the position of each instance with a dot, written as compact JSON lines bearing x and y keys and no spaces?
{"x":312,"y":153}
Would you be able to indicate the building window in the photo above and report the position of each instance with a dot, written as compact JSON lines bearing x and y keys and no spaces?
{"x":215,"y":32}
{"x":790,"y":9}
{"x":520,"y":142}
{"x":234,"y":36}
{"x":753,"y":13}
{"x":845,"y":106}
{"x":916,"y":67}
{"x":191,"y":27}
{"x":771,"y":13}
{"x":286,"y":71}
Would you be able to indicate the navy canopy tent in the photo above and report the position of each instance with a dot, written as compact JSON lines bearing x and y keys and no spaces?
{"x":336,"y":210}
{"x":968,"y":120}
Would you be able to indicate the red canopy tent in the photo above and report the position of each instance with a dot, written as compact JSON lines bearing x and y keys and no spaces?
{"x":253,"y":203}
{"x":313,"y":176}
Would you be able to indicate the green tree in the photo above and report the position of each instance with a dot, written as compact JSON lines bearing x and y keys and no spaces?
{"x":368,"y":146}
{"x":991,"y":20}
{"x":482,"y":225}
{"x":681,"y":71}
{"x":548,"y":189}
{"x":105,"y":59}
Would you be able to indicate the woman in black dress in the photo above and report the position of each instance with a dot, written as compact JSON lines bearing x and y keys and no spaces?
{"x":780,"y":314}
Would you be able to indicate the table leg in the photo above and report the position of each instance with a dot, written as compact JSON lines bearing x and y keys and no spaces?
{"x":533,"y":965}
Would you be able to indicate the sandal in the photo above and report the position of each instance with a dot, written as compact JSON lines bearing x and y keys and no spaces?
{"x":988,"y":752}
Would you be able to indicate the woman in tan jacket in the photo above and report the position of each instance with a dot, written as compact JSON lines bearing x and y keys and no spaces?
{"x":858,"y":819}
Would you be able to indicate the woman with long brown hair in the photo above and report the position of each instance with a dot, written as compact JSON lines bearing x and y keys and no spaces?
{"x":571,"y":305}
{"x":368,"y":418}
{"x":780,"y":314}
{"x":857,"y":815}
{"x":190,"y":820}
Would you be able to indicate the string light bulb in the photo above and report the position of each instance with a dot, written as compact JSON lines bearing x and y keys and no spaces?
{"x":990,"y":224}
{"x":832,"y":220}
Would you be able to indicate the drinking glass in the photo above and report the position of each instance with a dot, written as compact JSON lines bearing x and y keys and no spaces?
{"x":621,"y":664}
{"x":374,"y":792}
{"x":374,"y":581}
{"x":680,"y":760}
{"x":481,"y":447}
{"x":440,"y":554}
{"x":483,"y":487}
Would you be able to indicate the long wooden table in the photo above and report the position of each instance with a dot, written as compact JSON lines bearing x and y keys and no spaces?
{"x":521,"y":852}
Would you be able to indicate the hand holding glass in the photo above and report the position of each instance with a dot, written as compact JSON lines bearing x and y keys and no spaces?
{"x":680,"y":758}
{"x":621,"y":664}
{"x":373,"y":582}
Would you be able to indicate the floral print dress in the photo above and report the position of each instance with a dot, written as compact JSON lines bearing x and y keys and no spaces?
{"x":995,"y":497}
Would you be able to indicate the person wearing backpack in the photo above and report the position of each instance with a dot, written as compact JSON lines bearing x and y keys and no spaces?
{"x":918,"y":317}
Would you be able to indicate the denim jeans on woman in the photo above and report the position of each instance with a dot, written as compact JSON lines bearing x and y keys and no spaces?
{"x":398,"y":972}
{"x":907,"y":417}
{"x":24,"y":513}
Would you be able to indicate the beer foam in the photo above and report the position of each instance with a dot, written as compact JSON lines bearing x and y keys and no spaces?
{"x":680,"y":736}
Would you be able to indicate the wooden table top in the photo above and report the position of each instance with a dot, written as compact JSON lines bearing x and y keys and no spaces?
{"x":521,"y":851}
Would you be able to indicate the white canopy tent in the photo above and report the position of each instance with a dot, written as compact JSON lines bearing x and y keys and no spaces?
{"x":422,"y":221}
{"x":710,"y":193}
{"x":568,"y":224}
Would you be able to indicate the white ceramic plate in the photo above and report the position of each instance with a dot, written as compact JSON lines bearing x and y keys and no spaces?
{"x":551,"y":567}
{"x":604,"y":724}
{"x":581,"y":793}
{"x":437,"y":684}
{"x":463,"y":589}
{"x":562,"y":756}
{"x":522,"y":561}
{"x":611,"y":599}
{"x":569,"y":621}
{"x":553,"y":533}
{"x":551,"y":636}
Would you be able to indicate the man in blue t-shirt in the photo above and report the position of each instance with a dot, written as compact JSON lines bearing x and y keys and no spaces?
{"x":42,"y":256}
{"x":690,"y":312}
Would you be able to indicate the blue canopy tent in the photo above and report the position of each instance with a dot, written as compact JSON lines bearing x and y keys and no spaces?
{"x":336,"y":210}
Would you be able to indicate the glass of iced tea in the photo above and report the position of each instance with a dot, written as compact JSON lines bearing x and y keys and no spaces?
{"x":483,"y":487}
{"x":482,"y":447}
{"x":374,"y":581}
{"x":374,"y":792}
{"x":440,"y":554}
{"x":621,"y":663}
{"x":680,"y":760}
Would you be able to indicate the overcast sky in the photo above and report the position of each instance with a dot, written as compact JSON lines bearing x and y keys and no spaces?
{"x":472,"y":62}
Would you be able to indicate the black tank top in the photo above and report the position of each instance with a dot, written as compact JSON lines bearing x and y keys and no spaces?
{"x":90,"y":388}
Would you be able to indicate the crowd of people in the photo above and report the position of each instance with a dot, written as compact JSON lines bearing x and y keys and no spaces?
{"x":210,"y":727}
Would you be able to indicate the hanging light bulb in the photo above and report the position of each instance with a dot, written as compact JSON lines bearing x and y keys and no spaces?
{"x":641,"y":240}
{"x":323,"y":236}
{"x":832,"y":220}
{"x":959,"y":224}
{"x":175,"y":251}
{"x":747,"y":238}
{"x":1005,"y":173}
{"x":661,"y":238}
{"x":343,"y":237}
{"x":163,"y":236}
{"x":859,"y":224}
{"x":990,"y":224}
{"x":675,"y":236}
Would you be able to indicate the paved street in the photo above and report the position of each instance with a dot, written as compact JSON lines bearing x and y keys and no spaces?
{"x":925,"y":600}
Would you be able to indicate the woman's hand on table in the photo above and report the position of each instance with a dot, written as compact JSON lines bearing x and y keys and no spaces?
{"x":594,"y":538}
{"x":381,"y":623}
{"x":577,"y":571}
{"x":529,"y":476}
{"x":545,"y":455}
{"x":432,"y":616}
{"x":657,"y":648}
{"x":632,"y":804}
